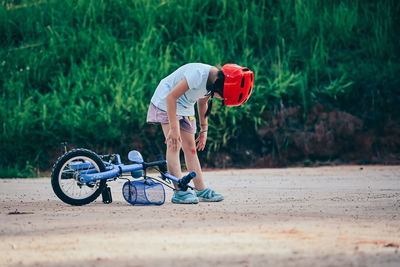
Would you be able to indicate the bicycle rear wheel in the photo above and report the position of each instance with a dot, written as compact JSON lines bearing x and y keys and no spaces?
{"x":65,"y":177}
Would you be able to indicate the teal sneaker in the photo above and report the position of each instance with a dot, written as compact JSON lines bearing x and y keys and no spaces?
{"x":184,"y":197}
{"x":208,"y":195}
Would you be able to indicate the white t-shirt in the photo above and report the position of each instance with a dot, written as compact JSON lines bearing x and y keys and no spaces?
{"x":196,"y":75}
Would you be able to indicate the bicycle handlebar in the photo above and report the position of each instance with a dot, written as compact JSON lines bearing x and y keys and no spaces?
{"x":183,"y":183}
{"x":159,"y":163}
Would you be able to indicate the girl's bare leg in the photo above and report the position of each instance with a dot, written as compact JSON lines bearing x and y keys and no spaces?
{"x":191,"y":159}
{"x":173,"y":162}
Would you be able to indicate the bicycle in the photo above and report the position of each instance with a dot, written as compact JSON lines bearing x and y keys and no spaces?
{"x":79,"y":177}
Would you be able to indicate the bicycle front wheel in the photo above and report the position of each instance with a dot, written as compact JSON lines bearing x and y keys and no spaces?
{"x":66,"y":173}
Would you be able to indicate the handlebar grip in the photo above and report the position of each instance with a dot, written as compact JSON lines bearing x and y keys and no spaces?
{"x":186,"y":179}
{"x":183,"y":183}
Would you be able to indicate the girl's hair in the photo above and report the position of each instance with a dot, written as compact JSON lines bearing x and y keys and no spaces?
{"x":217,"y":87}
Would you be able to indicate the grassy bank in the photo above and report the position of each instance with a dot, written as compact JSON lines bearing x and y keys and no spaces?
{"x":84,"y":71}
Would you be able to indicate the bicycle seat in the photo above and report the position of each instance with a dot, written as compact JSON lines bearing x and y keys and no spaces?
{"x":135,"y":156}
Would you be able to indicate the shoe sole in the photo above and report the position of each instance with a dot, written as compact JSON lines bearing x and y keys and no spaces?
{"x":209,"y":200}
{"x":184,"y":202}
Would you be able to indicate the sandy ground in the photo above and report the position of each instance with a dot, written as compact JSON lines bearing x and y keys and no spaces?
{"x":327,"y":216}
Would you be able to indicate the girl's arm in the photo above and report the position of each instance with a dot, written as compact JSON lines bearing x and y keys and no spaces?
{"x":202,"y":108}
{"x":174,"y":137}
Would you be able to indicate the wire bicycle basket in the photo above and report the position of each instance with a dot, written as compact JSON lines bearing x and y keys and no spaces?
{"x":143,"y":192}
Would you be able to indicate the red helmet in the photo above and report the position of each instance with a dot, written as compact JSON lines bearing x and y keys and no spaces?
{"x":238,"y":84}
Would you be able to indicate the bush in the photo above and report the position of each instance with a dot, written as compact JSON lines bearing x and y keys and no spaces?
{"x":84,"y":71}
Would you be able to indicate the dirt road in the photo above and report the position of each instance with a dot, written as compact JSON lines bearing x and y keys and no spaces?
{"x":328,"y":216}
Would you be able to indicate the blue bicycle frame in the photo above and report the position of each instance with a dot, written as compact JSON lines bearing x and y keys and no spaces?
{"x":117,"y":170}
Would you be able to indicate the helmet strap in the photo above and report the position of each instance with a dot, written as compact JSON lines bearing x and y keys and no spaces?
{"x":210,"y":104}
{"x":220,"y":82}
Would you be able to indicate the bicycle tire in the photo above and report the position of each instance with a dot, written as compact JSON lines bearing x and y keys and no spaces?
{"x":56,"y":177}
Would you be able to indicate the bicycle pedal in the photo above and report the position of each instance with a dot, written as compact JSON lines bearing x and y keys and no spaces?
{"x":106,"y":194}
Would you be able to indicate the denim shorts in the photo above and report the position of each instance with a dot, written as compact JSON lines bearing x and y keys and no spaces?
{"x":156,"y":115}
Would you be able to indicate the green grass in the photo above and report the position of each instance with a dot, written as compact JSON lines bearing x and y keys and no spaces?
{"x":84,"y":70}
{"x":19,"y":171}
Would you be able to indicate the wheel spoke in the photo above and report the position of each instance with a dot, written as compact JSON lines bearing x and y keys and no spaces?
{"x":70,"y":186}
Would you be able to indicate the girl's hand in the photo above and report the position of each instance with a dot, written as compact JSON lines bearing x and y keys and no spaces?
{"x":173,"y":140}
{"x":201,"y":140}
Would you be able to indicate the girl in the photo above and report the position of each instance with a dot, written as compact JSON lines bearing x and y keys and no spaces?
{"x":172,"y":105}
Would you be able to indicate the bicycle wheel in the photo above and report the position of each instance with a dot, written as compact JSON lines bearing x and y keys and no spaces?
{"x":65,"y":177}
